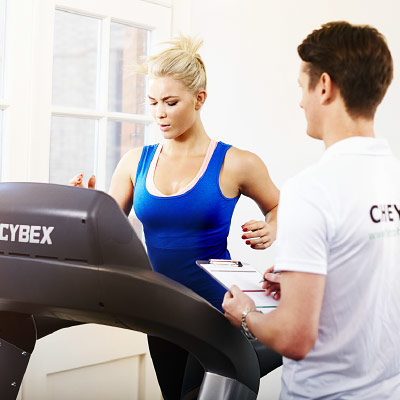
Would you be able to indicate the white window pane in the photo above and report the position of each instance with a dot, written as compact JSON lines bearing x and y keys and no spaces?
{"x":2,"y":44}
{"x":72,"y":148}
{"x":127,"y":90}
{"x":121,"y":137}
{"x":1,"y":139}
{"x":75,"y":62}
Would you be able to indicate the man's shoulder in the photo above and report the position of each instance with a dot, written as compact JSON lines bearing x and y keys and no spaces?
{"x":308,"y":177}
{"x":314,"y":186}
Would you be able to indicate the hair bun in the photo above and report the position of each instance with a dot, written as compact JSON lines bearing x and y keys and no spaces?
{"x":180,"y":60}
{"x":187,"y":44}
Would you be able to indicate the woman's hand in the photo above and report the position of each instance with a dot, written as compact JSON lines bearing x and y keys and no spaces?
{"x":272,"y":283}
{"x":259,"y":235}
{"x":77,"y":181}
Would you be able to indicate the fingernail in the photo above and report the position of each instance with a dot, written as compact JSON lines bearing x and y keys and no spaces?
{"x":245,"y":229}
{"x":244,"y":237}
{"x":247,"y":241}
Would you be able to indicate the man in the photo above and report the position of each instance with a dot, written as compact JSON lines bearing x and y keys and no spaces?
{"x":338,"y":242}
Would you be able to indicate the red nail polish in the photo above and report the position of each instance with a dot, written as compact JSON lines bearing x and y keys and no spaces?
{"x":245,"y":229}
{"x":244,"y":237}
{"x":247,"y":241}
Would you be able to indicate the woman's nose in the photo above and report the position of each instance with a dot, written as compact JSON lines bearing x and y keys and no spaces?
{"x":160,"y":112}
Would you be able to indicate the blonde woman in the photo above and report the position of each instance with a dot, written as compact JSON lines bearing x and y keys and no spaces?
{"x":184,"y":191}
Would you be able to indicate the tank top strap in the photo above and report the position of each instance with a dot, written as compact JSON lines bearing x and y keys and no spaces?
{"x":145,"y":161}
{"x":217,"y":159}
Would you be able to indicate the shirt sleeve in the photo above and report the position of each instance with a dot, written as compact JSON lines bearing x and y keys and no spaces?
{"x":305,"y":226}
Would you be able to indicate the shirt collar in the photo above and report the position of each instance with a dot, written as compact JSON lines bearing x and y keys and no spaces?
{"x":360,"y":145}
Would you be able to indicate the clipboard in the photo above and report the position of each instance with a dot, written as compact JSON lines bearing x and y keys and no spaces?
{"x":245,"y":276}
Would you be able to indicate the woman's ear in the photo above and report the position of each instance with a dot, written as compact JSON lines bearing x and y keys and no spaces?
{"x":200,"y":99}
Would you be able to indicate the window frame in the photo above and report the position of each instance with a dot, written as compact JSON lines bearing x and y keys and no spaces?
{"x":29,"y":109}
{"x":101,"y":113}
{"x":4,"y":103}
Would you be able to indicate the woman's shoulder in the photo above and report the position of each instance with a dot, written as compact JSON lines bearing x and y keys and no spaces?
{"x":132,"y":154}
{"x":136,"y":152}
{"x":238,"y":159}
{"x":129,"y":162}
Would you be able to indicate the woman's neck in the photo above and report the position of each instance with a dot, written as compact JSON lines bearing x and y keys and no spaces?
{"x":195,"y":141}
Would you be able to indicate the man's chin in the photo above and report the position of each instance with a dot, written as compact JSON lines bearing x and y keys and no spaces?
{"x":313,"y":135}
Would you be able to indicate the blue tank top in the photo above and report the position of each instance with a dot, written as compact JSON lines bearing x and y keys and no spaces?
{"x":191,"y":226}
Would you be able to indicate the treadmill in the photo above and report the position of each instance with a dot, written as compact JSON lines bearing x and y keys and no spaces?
{"x":70,"y":256}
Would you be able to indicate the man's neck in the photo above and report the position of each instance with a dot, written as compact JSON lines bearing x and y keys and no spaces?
{"x":343,"y":127}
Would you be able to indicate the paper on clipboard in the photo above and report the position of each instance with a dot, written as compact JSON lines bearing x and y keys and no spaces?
{"x":246,"y":277}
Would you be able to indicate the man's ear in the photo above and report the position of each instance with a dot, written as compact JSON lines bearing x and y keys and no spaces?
{"x":327,"y":89}
{"x":200,"y":99}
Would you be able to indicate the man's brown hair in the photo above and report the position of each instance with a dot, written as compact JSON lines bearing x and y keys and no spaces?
{"x":357,"y":59}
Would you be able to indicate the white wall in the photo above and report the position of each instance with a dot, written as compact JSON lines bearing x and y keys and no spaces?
{"x":253,"y":96}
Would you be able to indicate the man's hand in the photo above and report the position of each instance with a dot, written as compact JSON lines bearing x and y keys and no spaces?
{"x":235,"y":302}
{"x":272,"y":283}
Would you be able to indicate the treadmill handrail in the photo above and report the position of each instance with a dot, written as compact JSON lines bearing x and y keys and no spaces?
{"x":93,"y":289}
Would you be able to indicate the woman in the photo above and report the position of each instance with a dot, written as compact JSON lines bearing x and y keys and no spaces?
{"x":184,"y":191}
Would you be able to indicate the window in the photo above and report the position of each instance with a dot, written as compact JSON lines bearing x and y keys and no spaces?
{"x":1,"y":131}
{"x":67,"y":91}
{"x":126,"y":90}
{"x":99,"y":109}
{"x":75,"y":60}
{"x":3,"y":103}
{"x":2,"y":44}
{"x":68,"y":72}
{"x":72,"y":147}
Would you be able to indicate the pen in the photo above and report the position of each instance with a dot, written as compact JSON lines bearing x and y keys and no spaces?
{"x":265,"y":280}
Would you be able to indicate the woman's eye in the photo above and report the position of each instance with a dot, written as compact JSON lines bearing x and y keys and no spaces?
{"x":152,"y":104}
{"x":173,"y":103}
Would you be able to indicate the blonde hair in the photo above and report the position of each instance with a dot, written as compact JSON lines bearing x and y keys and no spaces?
{"x":180,"y":61}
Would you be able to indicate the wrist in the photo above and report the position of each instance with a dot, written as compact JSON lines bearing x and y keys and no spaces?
{"x":245,"y":328}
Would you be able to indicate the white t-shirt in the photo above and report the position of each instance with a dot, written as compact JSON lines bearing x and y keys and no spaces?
{"x":341,"y":218}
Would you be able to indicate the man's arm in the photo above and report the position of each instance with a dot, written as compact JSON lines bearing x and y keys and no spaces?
{"x":292,"y":328}
{"x":305,"y":228}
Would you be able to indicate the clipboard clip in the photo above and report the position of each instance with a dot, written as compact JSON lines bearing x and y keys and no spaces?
{"x":219,"y":261}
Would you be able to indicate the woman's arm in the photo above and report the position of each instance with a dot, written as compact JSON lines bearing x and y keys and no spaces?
{"x":244,"y":172}
{"x":122,"y":182}
{"x":123,"y":179}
